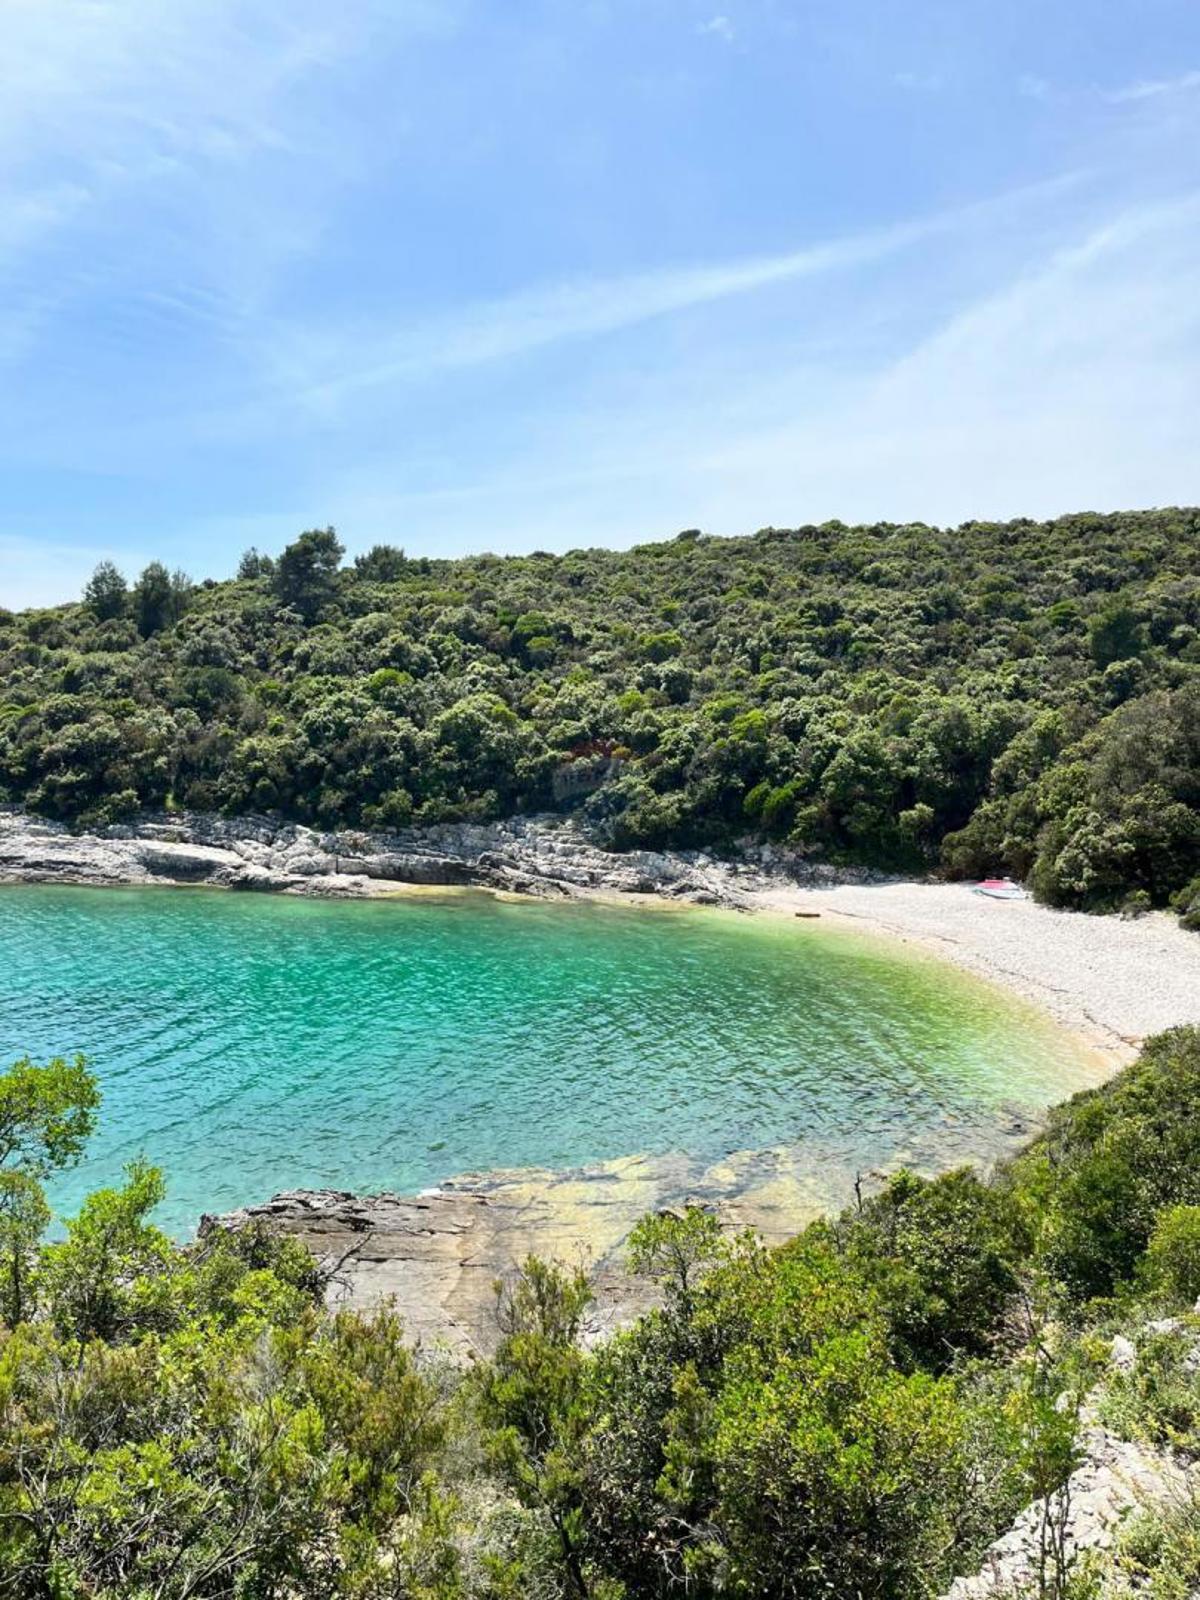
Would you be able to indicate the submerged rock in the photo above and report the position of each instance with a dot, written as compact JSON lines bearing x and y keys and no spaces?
{"x":438,"y":1255}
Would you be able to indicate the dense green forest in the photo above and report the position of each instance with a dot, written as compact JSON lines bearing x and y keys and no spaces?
{"x":1021,"y":696}
{"x":856,"y":1413}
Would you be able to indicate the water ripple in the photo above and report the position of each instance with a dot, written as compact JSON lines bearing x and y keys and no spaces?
{"x":251,"y":1044}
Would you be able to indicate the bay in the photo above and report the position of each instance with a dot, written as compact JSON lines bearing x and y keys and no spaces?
{"x":255,"y":1043}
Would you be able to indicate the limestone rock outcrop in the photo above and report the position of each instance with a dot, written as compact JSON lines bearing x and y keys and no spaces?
{"x":543,"y":855}
{"x":439,"y":1254}
{"x":1115,"y":1479}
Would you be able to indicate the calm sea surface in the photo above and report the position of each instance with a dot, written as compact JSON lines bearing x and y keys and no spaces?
{"x":254,"y":1043}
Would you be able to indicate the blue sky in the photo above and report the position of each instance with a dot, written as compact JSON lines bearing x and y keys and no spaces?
{"x":534,"y":274}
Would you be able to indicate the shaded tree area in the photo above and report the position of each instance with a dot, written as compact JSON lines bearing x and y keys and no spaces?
{"x":1020,"y":696}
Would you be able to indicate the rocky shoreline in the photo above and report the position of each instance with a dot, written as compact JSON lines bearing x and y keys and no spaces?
{"x":538,"y":855}
{"x":1109,"y":981}
{"x":438,"y":1255}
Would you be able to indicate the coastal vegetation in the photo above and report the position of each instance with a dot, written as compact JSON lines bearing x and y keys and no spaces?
{"x":856,"y":1413}
{"x":1021,"y":696}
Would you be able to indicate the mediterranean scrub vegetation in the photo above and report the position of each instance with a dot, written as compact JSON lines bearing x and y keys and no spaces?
{"x":1021,"y":696}
{"x":857,"y":1413}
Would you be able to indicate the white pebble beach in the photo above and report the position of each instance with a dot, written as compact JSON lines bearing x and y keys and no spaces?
{"x":1112,"y":980}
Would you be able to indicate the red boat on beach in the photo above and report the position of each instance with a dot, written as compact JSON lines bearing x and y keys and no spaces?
{"x":1000,"y":889}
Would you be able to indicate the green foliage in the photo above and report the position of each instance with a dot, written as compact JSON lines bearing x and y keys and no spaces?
{"x":306,"y":572}
{"x":757,"y":1437}
{"x":187,"y":1421}
{"x":858,"y":1412}
{"x":1110,"y":1161}
{"x":1157,"y":1557}
{"x":383,"y":563}
{"x":224,"y":1450}
{"x":47,"y":1114}
{"x":106,"y":1276}
{"x":106,"y":594}
{"x":530,"y":1404}
{"x":1018,"y":697}
{"x":254,"y":564}
{"x":836,"y":1473}
{"x":24,"y":1217}
{"x":1134,"y":820}
{"x":1187,"y":902}
{"x":159,"y":599}
{"x":1157,"y":1400}
{"x":1115,"y":634}
{"x":943,"y":1257}
{"x":676,"y":1248}
{"x":1172,"y":1261}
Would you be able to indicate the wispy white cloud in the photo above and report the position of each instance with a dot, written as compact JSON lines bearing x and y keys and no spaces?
{"x":1073,"y":385}
{"x":27,"y":216}
{"x":153,"y":85}
{"x":172,"y":120}
{"x":1154,"y":88}
{"x":198,"y":73}
{"x":719,"y":27}
{"x":228,"y":276}
{"x":532,"y":319}
{"x":362,"y":360}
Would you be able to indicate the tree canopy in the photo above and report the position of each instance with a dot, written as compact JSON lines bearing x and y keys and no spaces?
{"x":1019,"y":697}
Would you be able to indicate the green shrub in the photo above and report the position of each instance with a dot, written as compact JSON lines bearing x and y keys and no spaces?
{"x":943,"y":1257}
{"x":858,"y":1412}
{"x":1157,"y":1557}
{"x":1173,"y":1253}
{"x":1110,"y":1161}
{"x":1187,"y":903}
{"x":757,"y":1436}
{"x":1157,"y":1400}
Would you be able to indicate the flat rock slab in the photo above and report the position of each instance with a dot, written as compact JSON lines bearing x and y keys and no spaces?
{"x":438,"y":1255}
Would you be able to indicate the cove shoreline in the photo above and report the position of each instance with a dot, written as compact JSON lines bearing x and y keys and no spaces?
{"x":1108,"y":980}
{"x":436,"y":1255}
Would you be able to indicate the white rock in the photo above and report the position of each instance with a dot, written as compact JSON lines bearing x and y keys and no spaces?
{"x":1122,"y":1353}
{"x":1115,"y":1479}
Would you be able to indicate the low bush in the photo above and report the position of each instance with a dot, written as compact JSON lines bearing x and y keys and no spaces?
{"x":858,"y":1412}
{"x":1109,"y":1162}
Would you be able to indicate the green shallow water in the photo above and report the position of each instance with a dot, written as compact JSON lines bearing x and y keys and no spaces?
{"x":254,"y":1043}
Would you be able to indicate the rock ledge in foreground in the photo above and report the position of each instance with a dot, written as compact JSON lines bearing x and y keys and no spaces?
{"x":439,"y":1254}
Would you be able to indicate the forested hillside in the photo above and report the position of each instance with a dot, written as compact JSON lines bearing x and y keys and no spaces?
{"x":1020,"y":696}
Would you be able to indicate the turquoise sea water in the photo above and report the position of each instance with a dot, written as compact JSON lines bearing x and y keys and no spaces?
{"x":255,"y":1043}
